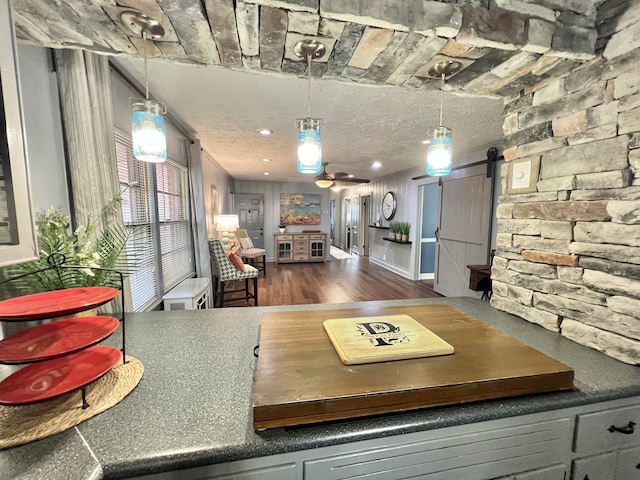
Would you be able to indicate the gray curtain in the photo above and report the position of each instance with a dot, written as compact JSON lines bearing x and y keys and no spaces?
{"x":199,"y":214}
{"x":87,"y":117}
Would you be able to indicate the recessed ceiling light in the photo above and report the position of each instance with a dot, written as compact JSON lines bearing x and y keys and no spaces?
{"x":375,"y":165}
{"x":266,"y":159}
{"x":350,"y":175}
{"x":266,"y":173}
{"x":335,"y":189}
{"x":426,"y":141}
{"x":265,"y":131}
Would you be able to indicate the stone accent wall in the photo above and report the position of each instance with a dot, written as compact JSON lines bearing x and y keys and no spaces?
{"x":568,"y":255}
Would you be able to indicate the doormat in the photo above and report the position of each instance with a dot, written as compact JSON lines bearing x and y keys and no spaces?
{"x":339,"y":254}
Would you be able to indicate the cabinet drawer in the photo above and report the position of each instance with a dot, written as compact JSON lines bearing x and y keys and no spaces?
{"x":301,"y":237}
{"x":594,"y":468}
{"x":284,"y":237}
{"x":316,"y":237}
{"x":596,"y":432}
{"x":485,"y":454}
{"x":628,"y":465}
{"x":301,"y":256}
{"x":557,"y":472}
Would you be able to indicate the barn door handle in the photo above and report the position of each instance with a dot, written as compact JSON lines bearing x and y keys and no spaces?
{"x":627,"y":429}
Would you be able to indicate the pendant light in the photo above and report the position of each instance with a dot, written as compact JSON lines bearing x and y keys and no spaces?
{"x":147,"y":122}
{"x":440,"y":151}
{"x":309,"y":145}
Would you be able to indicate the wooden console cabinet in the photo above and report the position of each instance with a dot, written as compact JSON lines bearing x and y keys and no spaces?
{"x":300,"y":247}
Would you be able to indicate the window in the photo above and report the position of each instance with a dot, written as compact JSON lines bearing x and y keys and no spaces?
{"x":175,"y":231}
{"x":155,"y":207}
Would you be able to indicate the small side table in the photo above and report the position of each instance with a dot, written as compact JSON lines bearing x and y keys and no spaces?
{"x":480,"y":280}
{"x":190,"y":294}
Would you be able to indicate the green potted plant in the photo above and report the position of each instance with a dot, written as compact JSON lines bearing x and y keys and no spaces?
{"x":84,"y":247}
{"x":404,"y":231}
{"x":392,"y":230}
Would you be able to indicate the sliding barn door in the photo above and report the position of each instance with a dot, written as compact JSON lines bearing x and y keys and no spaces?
{"x":464,"y":229}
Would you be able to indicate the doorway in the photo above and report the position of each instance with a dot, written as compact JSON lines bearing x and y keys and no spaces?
{"x":332,"y":222}
{"x":430,"y":207}
{"x":365,"y":216}
{"x":346,"y":214}
{"x":355,"y":223}
{"x":250,"y":210}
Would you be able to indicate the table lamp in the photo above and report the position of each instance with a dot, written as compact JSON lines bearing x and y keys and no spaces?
{"x":227,"y":224}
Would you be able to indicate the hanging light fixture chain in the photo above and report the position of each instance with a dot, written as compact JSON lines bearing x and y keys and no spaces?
{"x":146,"y":70}
{"x":309,"y":86}
{"x":441,"y":97}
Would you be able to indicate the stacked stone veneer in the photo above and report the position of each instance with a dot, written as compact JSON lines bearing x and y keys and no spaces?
{"x":568,"y":255}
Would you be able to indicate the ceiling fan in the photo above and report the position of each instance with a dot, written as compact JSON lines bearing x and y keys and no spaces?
{"x":326,"y":180}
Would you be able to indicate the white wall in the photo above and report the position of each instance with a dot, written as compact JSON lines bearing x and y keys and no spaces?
{"x":43,"y":129}
{"x":215,"y":178}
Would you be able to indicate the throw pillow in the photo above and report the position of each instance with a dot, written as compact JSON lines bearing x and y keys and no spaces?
{"x":236,"y":260}
{"x":246,"y":243}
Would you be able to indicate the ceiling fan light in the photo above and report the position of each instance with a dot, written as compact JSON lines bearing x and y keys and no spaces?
{"x":309,"y":146}
{"x":324,"y":182}
{"x":148,"y":133}
{"x":440,"y":153}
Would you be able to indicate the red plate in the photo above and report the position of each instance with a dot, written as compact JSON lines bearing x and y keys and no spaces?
{"x":55,"y":339}
{"x":46,"y":380}
{"x":56,"y":303}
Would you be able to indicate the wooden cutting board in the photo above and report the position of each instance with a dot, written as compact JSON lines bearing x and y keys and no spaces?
{"x":300,"y":378}
{"x":383,"y":338}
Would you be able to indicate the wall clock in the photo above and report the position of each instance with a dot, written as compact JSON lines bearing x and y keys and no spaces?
{"x":389,"y":205}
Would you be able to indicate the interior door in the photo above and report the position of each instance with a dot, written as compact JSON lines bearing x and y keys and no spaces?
{"x":347,"y":225}
{"x":464,"y":228}
{"x":365,"y":215}
{"x":355,"y":222}
{"x":250,"y":210}
{"x":430,"y":195}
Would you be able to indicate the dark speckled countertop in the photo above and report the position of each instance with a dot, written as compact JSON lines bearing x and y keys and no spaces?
{"x":193,"y":405}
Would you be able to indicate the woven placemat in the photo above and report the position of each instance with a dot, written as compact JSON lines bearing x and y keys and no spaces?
{"x":24,"y":424}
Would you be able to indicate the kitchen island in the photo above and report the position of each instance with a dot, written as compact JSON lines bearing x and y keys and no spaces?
{"x":193,"y":410}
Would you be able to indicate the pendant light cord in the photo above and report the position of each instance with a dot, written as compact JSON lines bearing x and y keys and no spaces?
{"x":441,"y":97}
{"x":309,"y":86}
{"x":146,"y":70}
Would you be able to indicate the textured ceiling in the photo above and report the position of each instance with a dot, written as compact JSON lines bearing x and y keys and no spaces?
{"x":225,"y":67}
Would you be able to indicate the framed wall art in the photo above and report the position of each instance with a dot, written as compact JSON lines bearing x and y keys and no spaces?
{"x":300,"y":209}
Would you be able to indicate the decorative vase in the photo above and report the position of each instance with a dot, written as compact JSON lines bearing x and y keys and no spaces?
{"x":405,"y":238}
{"x":282,"y":230}
{"x":392,"y":235}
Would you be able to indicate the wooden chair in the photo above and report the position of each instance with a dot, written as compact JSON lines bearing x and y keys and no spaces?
{"x":250,"y":252}
{"x":224,"y":272}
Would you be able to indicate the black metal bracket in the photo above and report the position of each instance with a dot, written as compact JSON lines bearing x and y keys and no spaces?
{"x":492,"y":156}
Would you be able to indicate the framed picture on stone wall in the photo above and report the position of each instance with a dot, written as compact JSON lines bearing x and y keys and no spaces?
{"x":523,"y":175}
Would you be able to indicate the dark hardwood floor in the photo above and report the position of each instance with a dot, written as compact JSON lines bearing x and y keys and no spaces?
{"x":336,"y":281}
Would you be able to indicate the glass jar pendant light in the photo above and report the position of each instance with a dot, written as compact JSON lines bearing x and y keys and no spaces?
{"x":148,"y":132}
{"x":309,"y":144}
{"x":440,"y":151}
